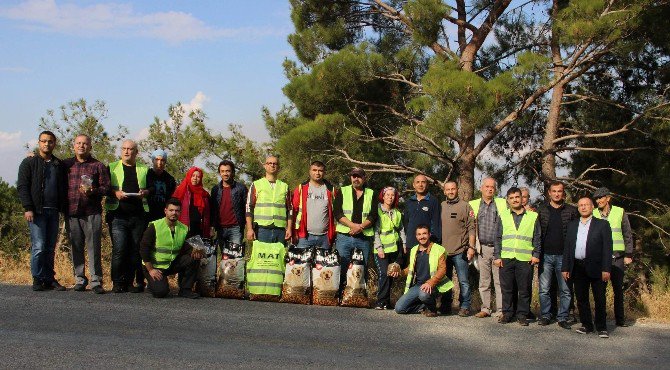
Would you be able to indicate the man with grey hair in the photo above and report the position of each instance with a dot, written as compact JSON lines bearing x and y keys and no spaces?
{"x":525,"y":199}
{"x":126,"y":206}
{"x":487,"y":211}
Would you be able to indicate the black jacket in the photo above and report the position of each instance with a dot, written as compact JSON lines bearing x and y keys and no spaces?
{"x":238,"y":196}
{"x":30,"y":183}
{"x":598,"y":248}
{"x":568,"y":213}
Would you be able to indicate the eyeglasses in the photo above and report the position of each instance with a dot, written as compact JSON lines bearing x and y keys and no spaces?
{"x":357,"y":176}
{"x":272,"y":163}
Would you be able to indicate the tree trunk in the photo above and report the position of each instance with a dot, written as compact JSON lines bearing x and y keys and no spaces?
{"x":466,"y":173}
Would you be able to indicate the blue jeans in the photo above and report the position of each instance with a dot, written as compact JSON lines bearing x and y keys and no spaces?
{"x":552,"y":265}
{"x":43,"y":239}
{"x":415,"y":300}
{"x":271,"y":234}
{"x":126,"y":234}
{"x":224,"y":235}
{"x":460,"y":261}
{"x":345,"y":245}
{"x":318,"y":241}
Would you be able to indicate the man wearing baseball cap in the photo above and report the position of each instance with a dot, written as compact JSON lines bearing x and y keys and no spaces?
{"x":160,"y":184}
{"x":622,"y":238}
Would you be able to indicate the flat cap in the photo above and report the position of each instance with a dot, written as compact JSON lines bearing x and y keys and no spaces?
{"x":601,"y":192}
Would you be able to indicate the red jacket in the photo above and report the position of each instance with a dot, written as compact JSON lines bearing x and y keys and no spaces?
{"x":301,"y":190}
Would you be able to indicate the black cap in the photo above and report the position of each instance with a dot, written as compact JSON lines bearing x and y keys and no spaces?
{"x":601,"y":192}
{"x":357,"y":171}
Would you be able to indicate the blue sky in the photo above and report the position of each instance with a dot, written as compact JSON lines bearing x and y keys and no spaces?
{"x":222,"y":56}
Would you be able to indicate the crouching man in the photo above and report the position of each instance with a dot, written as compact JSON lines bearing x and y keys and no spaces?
{"x":426,"y":276}
{"x":164,"y":252}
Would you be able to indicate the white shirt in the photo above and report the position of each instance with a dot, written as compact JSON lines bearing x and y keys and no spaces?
{"x":582,"y":234}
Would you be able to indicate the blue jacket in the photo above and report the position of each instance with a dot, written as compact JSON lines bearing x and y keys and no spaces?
{"x":238,"y":195}
{"x":426,"y":211}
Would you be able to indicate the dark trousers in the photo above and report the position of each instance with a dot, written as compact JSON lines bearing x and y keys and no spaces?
{"x":616,"y":277}
{"x":582,"y":283}
{"x":126,"y":234}
{"x":183,"y":265}
{"x":385,"y":281}
{"x":520,"y":272}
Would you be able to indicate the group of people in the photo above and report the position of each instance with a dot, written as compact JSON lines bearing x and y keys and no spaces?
{"x":151,"y":217}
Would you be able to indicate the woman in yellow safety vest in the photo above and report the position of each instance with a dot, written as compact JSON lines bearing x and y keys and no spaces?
{"x":389,"y":244}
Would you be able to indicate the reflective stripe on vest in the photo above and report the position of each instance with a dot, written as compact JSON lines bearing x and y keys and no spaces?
{"x":167,"y":246}
{"x":518,"y":243}
{"x":348,"y":209}
{"x":116,"y":182}
{"x":615,"y":218}
{"x":436,"y":251}
{"x":270,"y":207}
{"x":388,"y":230}
{"x":265,"y":269}
{"x":501,"y":205}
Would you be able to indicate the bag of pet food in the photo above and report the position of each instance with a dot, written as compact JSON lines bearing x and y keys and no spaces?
{"x":355,"y":292}
{"x":326,"y":278}
{"x":297,"y":286}
{"x":265,"y":271}
{"x":206,"y":276}
{"x":231,"y":271}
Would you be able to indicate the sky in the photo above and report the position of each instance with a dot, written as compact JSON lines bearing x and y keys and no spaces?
{"x":224,"y":57}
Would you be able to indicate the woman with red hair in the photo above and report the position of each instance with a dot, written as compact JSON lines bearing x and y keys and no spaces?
{"x":389,"y":244}
{"x":194,"y":203}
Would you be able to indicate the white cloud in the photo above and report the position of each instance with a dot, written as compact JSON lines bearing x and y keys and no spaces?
{"x":143,"y":134}
{"x":121,"y":20}
{"x":196,"y":103}
{"x":10,"y":140}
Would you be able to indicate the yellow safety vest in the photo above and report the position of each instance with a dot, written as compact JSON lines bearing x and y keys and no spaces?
{"x":501,"y":205}
{"x":436,"y":251}
{"x":116,"y":182}
{"x":388,"y":229}
{"x":518,"y":243}
{"x":348,"y":209}
{"x":265,"y":269}
{"x":615,"y":218}
{"x":270,"y":208}
{"x":167,"y":246}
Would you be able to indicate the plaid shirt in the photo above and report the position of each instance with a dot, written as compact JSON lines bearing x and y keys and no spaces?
{"x":78,"y":203}
{"x":489,"y":223}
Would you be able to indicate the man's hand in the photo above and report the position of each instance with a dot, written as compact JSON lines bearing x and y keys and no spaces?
{"x":156,"y":274}
{"x":470,"y":254}
{"x":380,"y":253}
{"x":426,"y":288}
{"x":143,"y":193}
{"x":288,"y":235}
{"x":534,"y":261}
{"x":355,"y":229}
{"x":29,"y":216}
{"x":498,"y":262}
{"x":606,"y":276}
{"x":566,"y":275}
{"x":627,"y":260}
{"x":197,"y":254}
{"x":120,"y":194}
{"x":251,"y":235}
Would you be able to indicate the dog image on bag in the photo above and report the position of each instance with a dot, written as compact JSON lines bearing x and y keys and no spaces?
{"x":231,"y":272}
{"x":297,"y":287}
{"x":355,"y":292}
{"x":326,"y":276}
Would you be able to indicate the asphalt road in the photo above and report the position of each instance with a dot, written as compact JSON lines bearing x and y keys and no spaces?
{"x":83,"y":330}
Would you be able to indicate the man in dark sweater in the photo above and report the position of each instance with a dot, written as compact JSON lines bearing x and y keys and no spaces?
{"x":554,"y":218}
{"x":421,"y":208}
{"x":160,"y":184}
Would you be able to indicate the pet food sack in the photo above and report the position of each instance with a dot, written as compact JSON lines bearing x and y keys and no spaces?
{"x":206,"y":276}
{"x":355,"y":292}
{"x":326,"y":278}
{"x":297,"y":286}
{"x":265,"y":271}
{"x":231,"y":272}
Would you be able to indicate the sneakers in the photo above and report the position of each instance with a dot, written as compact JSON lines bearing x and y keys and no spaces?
{"x":603,"y":334}
{"x":379,"y":306}
{"x":544,"y":321}
{"x":482,"y":314}
{"x":522,"y":321}
{"x":463,"y":312}
{"x":55,"y":285}
{"x":79,"y":287}
{"x":98,"y":289}
{"x":187,"y":293}
{"x":584,"y":330}
{"x":564,"y":325}
{"x":37,"y":285}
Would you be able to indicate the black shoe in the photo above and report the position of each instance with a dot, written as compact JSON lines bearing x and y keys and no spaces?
{"x":503,"y":319}
{"x":584,"y":330}
{"x":603,"y":334}
{"x":380,"y":306}
{"x":622,"y":324}
{"x":54,"y":285}
{"x":531,"y":316}
{"x":79,"y":287}
{"x":118,"y":288}
{"x":544,"y":321}
{"x":564,"y":325}
{"x":522,"y":321}
{"x":98,"y":289}
{"x":136,"y":289}
{"x":187,"y":293}
{"x":37,"y":285}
